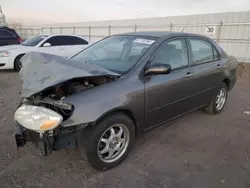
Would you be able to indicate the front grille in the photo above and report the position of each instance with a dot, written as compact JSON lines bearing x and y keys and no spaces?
{"x":2,"y":64}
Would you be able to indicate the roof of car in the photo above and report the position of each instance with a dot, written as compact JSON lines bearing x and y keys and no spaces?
{"x":54,"y":35}
{"x":160,"y":34}
{"x":50,"y":35}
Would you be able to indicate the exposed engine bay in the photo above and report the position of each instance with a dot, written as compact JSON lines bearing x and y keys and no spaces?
{"x":52,"y":97}
{"x":46,"y":80}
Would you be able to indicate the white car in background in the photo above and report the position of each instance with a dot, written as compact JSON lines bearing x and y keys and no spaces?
{"x":61,"y":45}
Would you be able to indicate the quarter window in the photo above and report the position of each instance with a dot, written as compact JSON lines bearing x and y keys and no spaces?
{"x":4,"y":33}
{"x":202,"y":51}
{"x":216,"y":55}
{"x":173,"y":53}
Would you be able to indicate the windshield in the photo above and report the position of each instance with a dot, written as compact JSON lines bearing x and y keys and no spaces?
{"x":117,"y":53}
{"x":34,"y":41}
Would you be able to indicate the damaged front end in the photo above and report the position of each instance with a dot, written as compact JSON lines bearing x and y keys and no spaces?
{"x":47,"y":80}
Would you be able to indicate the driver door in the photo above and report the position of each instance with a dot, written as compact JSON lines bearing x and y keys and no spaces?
{"x":169,"y":95}
{"x":56,"y":46}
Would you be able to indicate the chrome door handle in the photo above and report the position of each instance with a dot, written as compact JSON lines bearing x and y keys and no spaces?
{"x":189,"y":75}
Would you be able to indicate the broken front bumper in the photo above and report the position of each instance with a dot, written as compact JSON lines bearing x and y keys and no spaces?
{"x":48,"y":141}
{"x":29,"y":121}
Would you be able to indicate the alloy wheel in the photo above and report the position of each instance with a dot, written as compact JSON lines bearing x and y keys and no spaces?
{"x":221,"y":99}
{"x":113,"y":143}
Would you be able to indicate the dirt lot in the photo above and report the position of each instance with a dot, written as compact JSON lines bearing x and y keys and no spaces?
{"x":195,"y":151}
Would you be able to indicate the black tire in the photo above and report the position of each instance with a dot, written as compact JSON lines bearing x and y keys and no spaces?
{"x":90,"y":139}
{"x":211,"y":108}
{"x":17,"y":66}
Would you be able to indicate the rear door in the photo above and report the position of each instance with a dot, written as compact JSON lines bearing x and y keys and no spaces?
{"x":73,"y":44}
{"x":7,"y":38}
{"x":207,"y":70}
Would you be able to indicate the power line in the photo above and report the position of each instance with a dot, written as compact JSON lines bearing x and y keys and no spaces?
{"x":134,"y":7}
{"x":139,"y":10}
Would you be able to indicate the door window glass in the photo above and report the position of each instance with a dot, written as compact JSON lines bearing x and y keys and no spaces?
{"x":202,"y":51}
{"x":56,"y":41}
{"x":71,"y":40}
{"x":173,"y":53}
{"x":65,"y":41}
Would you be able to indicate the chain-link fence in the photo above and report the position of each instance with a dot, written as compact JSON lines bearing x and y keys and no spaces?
{"x":233,"y":37}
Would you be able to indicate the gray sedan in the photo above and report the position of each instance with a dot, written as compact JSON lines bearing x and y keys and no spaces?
{"x":101,"y":99}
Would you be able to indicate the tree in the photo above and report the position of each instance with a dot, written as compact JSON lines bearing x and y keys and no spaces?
{"x":15,"y":25}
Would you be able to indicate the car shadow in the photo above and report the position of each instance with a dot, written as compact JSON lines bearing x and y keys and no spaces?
{"x":8,"y":71}
{"x":144,"y":138}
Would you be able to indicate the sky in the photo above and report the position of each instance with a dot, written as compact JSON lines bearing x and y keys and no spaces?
{"x":62,"y":11}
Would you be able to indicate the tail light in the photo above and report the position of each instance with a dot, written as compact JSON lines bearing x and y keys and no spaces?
{"x":20,"y":40}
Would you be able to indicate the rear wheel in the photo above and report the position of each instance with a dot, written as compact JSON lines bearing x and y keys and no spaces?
{"x":217,"y":104}
{"x":109,"y":142}
{"x":17,"y":63}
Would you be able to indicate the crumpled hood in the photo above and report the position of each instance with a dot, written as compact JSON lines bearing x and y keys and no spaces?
{"x":41,"y":70}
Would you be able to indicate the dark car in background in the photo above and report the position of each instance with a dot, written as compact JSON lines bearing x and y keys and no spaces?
{"x":103,"y":97}
{"x":9,"y":36}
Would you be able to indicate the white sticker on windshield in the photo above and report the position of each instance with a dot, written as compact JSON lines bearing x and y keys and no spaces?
{"x":144,"y":41}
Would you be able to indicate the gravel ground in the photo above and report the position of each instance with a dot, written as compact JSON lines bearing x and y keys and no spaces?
{"x":195,"y":151}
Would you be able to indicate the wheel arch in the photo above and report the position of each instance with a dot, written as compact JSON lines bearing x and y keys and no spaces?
{"x":227,"y":82}
{"x":20,"y":55}
{"x":125,"y":111}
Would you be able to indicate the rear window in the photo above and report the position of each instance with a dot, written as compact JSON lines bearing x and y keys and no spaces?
{"x":5,"y":33}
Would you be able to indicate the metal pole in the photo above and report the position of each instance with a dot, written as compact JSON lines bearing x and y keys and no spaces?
{"x":74,"y":30}
{"x":50,"y":30}
{"x":109,"y":30}
{"x":218,"y":32}
{"x":135,"y":27}
{"x":89,"y":33}
{"x":171,"y":27}
{"x":61,"y":30}
{"x":21,"y":32}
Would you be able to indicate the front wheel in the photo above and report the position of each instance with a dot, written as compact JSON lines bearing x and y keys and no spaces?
{"x":17,"y":63}
{"x":109,"y":142}
{"x":217,"y":104}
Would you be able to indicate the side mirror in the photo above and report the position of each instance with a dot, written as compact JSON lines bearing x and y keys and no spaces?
{"x":158,"y":69}
{"x":47,"y":44}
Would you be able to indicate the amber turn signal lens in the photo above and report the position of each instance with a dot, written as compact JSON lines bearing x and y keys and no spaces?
{"x":48,"y":124}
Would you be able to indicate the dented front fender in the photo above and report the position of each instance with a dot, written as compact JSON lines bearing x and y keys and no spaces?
{"x":92,"y":104}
